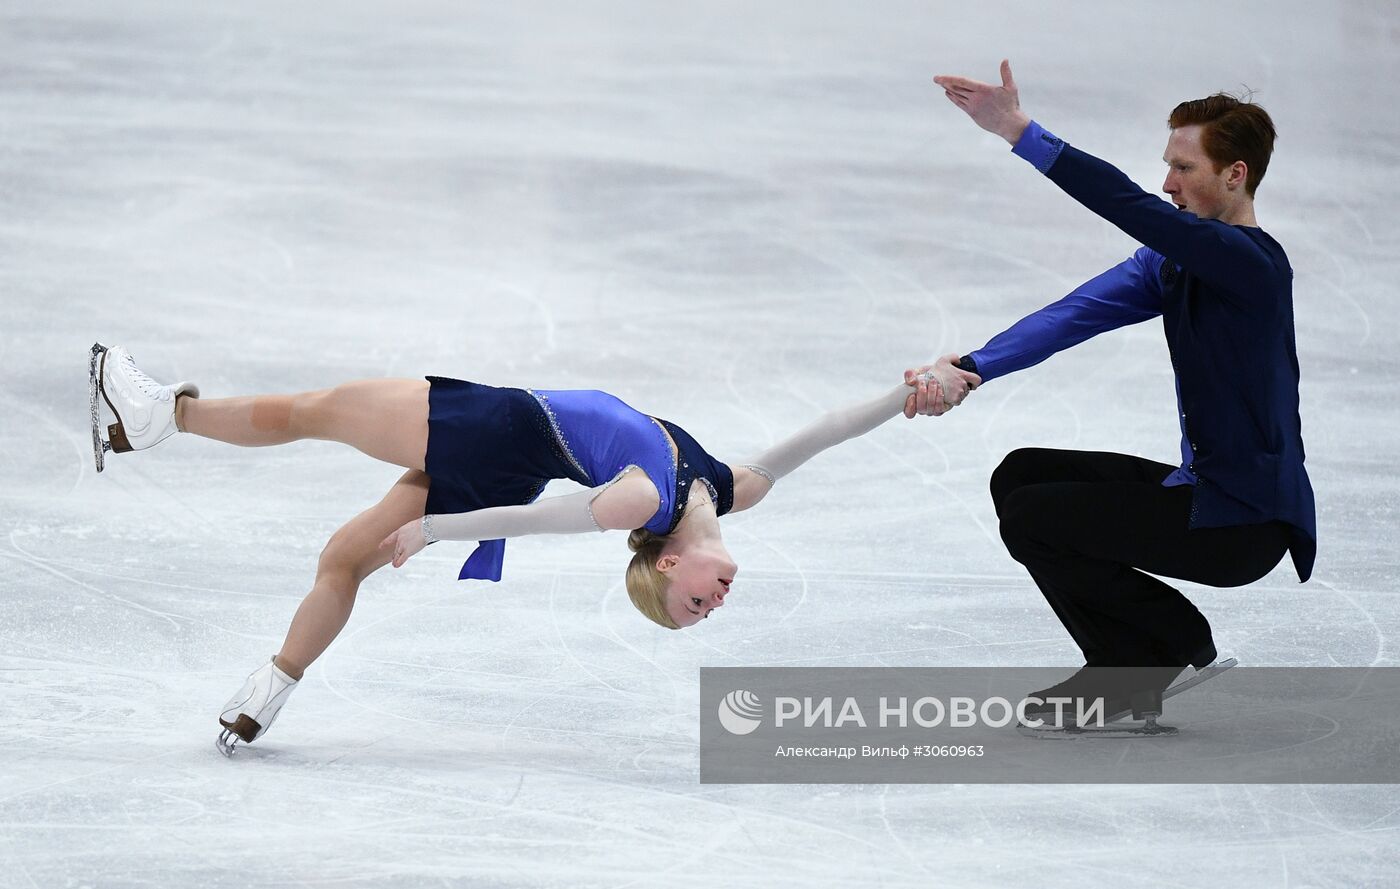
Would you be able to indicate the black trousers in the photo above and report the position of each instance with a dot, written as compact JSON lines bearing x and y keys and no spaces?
{"x":1088,"y":525}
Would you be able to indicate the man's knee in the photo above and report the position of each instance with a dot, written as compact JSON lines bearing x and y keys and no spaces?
{"x":1035,"y":524}
{"x":1018,"y":525}
{"x":1016,"y":470}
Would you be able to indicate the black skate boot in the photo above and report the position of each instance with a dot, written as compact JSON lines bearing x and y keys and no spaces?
{"x":1099,"y":695}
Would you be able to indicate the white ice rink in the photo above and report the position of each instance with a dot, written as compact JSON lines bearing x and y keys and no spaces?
{"x":731,"y":216}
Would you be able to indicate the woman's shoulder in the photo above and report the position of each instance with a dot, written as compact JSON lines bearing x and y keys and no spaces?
{"x":628,"y":501}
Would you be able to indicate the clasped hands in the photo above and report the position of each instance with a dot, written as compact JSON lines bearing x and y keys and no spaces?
{"x":938,"y":387}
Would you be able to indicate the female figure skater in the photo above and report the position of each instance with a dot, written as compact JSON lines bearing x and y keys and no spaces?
{"x":476,"y":458}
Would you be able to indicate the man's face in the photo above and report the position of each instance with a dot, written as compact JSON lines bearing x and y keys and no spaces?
{"x":1192,"y":181}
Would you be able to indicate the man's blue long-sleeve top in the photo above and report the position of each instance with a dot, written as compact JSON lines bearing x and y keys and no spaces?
{"x":1225,"y":294}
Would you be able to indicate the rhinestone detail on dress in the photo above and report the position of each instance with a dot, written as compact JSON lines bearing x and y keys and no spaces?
{"x":558,"y":435}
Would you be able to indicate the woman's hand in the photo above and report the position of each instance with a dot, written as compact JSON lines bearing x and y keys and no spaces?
{"x":938,"y":387}
{"x":927,"y":397}
{"x":404,"y":542}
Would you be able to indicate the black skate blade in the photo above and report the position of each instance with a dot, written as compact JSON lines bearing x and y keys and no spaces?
{"x":99,"y":445}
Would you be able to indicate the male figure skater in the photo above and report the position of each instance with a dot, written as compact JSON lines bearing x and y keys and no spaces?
{"x":1091,"y":528}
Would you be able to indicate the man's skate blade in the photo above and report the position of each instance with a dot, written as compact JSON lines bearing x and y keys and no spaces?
{"x":99,"y":446}
{"x":1205,"y":673}
{"x":1202,"y":675}
{"x":1097,"y":733}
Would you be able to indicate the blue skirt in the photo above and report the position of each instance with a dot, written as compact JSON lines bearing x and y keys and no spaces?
{"x":488,"y":446}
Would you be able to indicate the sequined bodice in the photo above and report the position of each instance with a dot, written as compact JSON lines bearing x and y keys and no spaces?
{"x":692,"y":463}
{"x":604,"y":437}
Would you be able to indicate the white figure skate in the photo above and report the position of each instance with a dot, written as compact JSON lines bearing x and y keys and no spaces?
{"x":144,"y":410}
{"x":251,"y":712}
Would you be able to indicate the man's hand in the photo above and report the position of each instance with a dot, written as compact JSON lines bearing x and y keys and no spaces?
{"x":996,"y":109}
{"x":938,"y":387}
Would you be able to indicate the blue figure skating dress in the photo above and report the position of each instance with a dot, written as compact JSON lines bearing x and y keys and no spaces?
{"x":490,"y":446}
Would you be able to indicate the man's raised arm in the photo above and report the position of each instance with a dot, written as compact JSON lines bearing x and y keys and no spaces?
{"x":1214,"y":250}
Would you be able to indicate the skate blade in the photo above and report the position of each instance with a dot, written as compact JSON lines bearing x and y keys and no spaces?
{"x":1210,"y":671}
{"x":116,"y":440}
{"x":99,"y":446}
{"x":225,"y":742}
{"x":1101,"y":733}
{"x":245,"y":727}
{"x":1207,"y":672}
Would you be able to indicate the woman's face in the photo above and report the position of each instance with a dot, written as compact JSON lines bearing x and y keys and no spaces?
{"x":700,"y":580}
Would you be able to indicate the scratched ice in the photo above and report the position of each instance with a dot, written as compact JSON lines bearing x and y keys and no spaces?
{"x":731,"y":217}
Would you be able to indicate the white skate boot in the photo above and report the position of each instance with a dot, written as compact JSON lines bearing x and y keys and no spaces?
{"x":250,"y":713}
{"x":144,"y":409}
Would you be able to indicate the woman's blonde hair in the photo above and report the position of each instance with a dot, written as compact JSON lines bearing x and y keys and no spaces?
{"x":646,"y":585}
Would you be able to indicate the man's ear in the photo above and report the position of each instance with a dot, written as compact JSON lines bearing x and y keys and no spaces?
{"x":1238,"y":175}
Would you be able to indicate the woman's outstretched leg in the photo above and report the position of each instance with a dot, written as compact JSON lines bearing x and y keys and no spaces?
{"x":386,"y":419}
{"x":352,"y":554}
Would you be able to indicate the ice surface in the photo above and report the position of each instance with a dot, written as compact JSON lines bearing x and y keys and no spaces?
{"x":734,"y":217}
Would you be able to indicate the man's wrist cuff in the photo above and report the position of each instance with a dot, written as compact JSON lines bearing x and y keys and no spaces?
{"x":1040,"y":147}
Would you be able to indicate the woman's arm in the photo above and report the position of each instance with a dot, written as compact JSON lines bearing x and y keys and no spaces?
{"x":626,"y":502}
{"x":753,"y":479}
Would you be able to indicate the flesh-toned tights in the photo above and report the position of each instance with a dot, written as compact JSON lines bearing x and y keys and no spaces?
{"x":386,"y":419}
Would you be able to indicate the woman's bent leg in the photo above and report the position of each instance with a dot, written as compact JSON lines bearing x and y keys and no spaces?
{"x":352,"y":554}
{"x":386,"y":419}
